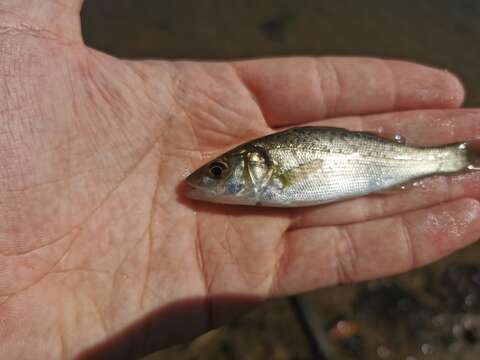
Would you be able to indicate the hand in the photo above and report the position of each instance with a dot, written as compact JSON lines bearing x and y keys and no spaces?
{"x":101,"y":254}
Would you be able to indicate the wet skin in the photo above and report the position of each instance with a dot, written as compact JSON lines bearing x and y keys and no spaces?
{"x":95,"y":235}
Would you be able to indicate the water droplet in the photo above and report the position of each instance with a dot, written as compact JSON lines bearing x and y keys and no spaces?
{"x":400,"y":139}
{"x":420,"y":184}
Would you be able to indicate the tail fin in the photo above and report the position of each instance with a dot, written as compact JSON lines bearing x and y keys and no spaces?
{"x":473,"y":154}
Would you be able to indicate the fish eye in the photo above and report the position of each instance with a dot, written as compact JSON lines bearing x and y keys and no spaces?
{"x":217,"y":169}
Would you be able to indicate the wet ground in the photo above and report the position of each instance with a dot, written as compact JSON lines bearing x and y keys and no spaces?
{"x":433,"y":313}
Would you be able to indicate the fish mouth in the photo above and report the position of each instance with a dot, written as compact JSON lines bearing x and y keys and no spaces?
{"x":197,"y":192}
{"x":201,"y":194}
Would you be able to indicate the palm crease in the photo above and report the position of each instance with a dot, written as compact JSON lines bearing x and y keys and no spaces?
{"x":98,"y":245}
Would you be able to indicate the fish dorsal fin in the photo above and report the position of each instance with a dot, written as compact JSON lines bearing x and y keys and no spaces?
{"x":399,"y":139}
{"x":395,"y":137}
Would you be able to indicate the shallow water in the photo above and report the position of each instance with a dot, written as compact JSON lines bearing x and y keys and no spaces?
{"x":433,"y":313}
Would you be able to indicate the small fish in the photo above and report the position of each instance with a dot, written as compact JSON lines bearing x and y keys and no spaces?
{"x":316,"y":165}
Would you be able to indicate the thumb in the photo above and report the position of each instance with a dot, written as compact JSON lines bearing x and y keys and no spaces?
{"x":58,"y":18}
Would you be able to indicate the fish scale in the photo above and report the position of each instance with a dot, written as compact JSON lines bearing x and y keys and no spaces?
{"x":360,"y":170}
{"x":316,"y":165}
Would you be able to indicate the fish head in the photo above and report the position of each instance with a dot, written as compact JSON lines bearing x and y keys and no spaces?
{"x":233,"y":178}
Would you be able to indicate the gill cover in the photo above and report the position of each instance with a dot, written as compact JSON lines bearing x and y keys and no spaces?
{"x":258,"y":167}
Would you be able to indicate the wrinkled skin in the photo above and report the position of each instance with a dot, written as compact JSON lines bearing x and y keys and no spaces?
{"x":97,"y":245}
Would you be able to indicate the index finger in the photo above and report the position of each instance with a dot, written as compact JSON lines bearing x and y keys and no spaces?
{"x":296,"y":90}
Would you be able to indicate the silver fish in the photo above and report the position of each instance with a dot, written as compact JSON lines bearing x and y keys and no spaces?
{"x":316,"y":165}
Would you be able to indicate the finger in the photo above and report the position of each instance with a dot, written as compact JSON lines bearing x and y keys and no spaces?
{"x":295,"y":90}
{"x":419,"y":127}
{"x":432,"y":191}
{"x":325,"y":256}
{"x":48,"y":18}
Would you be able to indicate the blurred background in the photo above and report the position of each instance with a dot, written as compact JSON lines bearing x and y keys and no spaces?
{"x":433,"y":313}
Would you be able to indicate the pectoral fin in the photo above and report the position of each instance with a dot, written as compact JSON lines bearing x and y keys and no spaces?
{"x":293,"y":175}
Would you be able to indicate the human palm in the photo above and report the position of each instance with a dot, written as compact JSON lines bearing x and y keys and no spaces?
{"x":101,"y":253}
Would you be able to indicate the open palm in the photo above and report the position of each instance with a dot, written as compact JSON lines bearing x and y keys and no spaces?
{"x":100,"y":253}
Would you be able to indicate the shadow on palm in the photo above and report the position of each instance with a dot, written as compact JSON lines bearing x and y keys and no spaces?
{"x":176,"y":322}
